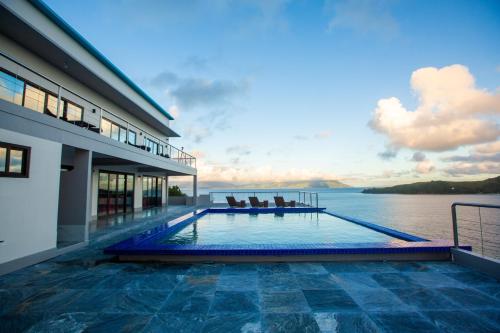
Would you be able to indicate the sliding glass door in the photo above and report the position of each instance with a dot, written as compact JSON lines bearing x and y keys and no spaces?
{"x":151,"y":191}
{"x":116,"y":193}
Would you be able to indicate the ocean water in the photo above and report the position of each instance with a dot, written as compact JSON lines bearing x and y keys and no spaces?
{"x":427,"y":216}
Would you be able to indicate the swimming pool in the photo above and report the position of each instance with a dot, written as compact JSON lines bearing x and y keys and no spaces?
{"x":287,"y":228}
{"x":270,"y":234}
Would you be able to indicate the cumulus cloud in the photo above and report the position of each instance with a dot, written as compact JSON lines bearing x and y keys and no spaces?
{"x":483,"y":159}
{"x":452,"y":112}
{"x":474,"y":158}
{"x":488,"y":148}
{"x":418,"y":157}
{"x":466,"y":168}
{"x":425,"y":166}
{"x":363,"y":16}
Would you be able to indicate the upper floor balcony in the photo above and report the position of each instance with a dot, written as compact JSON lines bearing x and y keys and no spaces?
{"x":35,"y":91}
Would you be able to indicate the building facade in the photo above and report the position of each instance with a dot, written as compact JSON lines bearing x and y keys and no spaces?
{"x":78,"y":139}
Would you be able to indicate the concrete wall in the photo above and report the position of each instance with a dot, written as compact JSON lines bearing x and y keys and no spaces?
{"x":28,"y":206}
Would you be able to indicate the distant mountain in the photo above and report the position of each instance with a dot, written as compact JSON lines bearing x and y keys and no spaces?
{"x":487,"y":186}
{"x":299,"y":184}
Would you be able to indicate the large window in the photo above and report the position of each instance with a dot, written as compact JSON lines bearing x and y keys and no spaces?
{"x":51,"y":108}
{"x":11,"y":88}
{"x":151,"y":191}
{"x":114,"y":131}
{"x":132,"y":137}
{"x":72,"y":112}
{"x":34,"y":98}
{"x":153,"y":146}
{"x":116,"y":193}
{"x":14,"y":160}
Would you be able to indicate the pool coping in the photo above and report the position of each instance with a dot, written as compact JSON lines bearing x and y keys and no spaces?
{"x":144,"y":244}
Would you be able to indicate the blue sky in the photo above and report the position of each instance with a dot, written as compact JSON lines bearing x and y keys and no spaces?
{"x":369,"y":92}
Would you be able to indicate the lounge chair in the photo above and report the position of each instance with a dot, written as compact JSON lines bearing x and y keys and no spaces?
{"x":254,"y":201}
{"x":231,"y":201}
{"x":280,"y":202}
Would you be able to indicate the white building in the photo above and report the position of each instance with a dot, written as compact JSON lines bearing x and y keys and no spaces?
{"x":78,"y":139}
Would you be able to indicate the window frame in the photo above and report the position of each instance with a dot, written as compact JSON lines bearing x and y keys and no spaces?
{"x":65,"y":109}
{"x":25,"y":166}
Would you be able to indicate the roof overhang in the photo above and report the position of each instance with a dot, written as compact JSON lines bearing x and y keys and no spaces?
{"x":32,"y":39}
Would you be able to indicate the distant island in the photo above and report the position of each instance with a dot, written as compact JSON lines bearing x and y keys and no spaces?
{"x":298,"y":184}
{"x":487,"y":186}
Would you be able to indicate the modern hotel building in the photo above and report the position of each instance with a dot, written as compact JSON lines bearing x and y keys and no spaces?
{"x":78,"y":138}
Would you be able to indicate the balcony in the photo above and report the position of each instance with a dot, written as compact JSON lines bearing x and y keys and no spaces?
{"x":23,"y":86}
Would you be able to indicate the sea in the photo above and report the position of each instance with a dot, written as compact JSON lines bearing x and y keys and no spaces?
{"x":427,"y":216}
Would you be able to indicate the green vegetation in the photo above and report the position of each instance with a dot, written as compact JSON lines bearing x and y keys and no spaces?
{"x":487,"y":186}
{"x":175,"y":191}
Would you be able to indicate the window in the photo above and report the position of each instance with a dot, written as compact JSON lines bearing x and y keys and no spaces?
{"x":106,"y":127}
{"x":72,"y":112}
{"x":34,"y":98}
{"x":123,"y":135}
{"x":51,"y":108}
{"x":11,"y":88}
{"x":14,"y":160}
{"x":132,"y":137}
{"x":115,"y":132}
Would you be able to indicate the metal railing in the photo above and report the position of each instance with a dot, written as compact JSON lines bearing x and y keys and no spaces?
{"x":479,"y":228}
{"x":92,"y":120}
{"x":302,"y":198}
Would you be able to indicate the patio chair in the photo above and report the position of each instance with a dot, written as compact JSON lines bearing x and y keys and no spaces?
{"x":231,"y":201}
{"x":280,"y":202}
{"x":254,"y":201}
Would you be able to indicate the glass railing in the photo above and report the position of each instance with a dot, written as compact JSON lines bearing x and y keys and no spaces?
{"x":40,"y":94}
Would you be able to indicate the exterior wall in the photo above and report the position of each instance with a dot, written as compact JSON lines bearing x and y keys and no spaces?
{"x":37,"y":64}
{"x":29,"y":206}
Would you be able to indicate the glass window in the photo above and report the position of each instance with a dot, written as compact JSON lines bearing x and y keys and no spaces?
{"x":73,"y":112}
{"x":123,"y":134}
{"x":115,"y":131}
{"x":131,"y":137}
{"x":34,"y":98}
{"x":16,"y":161}
{"x":52,"y":105}
{"x":3,"y":157}
{"x":106,"y":127}
{"x":11,"y":88}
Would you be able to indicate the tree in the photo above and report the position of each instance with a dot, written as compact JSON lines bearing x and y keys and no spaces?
{"x":175,"y":191}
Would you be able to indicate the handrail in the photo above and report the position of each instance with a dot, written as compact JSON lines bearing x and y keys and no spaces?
{"x":182,"y":157}
{"x":305,"y":198}
{"x":456,"y":241}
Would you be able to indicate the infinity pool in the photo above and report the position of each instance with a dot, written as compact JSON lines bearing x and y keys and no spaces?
{"x":288,"y":228}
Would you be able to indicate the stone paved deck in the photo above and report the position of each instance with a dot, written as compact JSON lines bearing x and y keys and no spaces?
{"x":88,"y":291}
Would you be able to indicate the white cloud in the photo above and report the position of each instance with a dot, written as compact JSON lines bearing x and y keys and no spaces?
{"x":425,"y":166}
{"x":488,"y":148}
{"x":174,"y":111}
{"x":323,"y":135}
{"x":238,"y":150}
{"x":467,"y":168}
{"x":451,"y":113}
{"x":363,"y":16}
{"x":418,"y":157}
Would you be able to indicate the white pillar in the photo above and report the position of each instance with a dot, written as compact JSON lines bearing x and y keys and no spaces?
{"x":166,"y":190}
{"x":138,"y":191}
{"x":195,"y":190}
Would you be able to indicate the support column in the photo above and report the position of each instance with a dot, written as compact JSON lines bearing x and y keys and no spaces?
{"x":138,"y":192}
{"x":75,"y":197}
{"x":166,"y":190}
{"x":195,"y":190}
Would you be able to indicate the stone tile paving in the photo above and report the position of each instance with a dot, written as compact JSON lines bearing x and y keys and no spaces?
{"x":86,"y":291}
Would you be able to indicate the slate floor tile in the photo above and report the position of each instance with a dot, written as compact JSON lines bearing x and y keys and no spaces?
{"x":330,"y":300}
{"x":65,"y":322}
{"x":237,"y":282}
{"x":409,"y":266}
{"x":307,"y":268}
{"x":273,"y":268}
{"x":198,"y":283}
{"x":205,"y":269}
{"x":377,"y":300}
{"x":137,"y":301}
{"x":284,"y":302}
{"x":469,"y":298}
{"x":342,"y":267}
{"x":397,"y":322}
{"x":317,"y":281}
{"x":376,"y":267}
{"x":473,"y":278}
{"x":456,"y":321}
{"x":179,"y":322}
{"x":278,"y":282}
{"x":433,"y":279}
{"x":492,"y":316}
{"x":123,"y":323}
{"x":187,"y":302}
{"x":424,"y":299}
{"x":490,"y":290}
{"x":355,"y":281}
{"x":289,"y":323}
{"x":232,"y":301}
{"x":345,"y":322}
{"x":395,"y":280}
{"x":153,"y":281}
{"x":233,"y":322}
{"x":243,"y":268}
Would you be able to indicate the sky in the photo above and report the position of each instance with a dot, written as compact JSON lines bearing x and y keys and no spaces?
{"x":370,"y":93}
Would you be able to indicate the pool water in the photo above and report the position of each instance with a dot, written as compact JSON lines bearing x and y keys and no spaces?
{"x":289,"y":228}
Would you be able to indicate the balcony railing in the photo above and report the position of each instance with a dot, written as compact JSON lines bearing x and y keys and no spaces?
{"x":301,"y":198}
{"x":477,"y":225}
{"x":41,"y":94}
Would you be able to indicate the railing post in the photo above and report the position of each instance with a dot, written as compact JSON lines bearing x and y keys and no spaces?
{"x":455,"y":226}
{"x":100,"y":120}
{"x":58,"y":101}
{"x":317,"y":206}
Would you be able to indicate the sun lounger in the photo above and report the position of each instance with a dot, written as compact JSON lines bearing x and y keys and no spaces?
{"x":231,"y":201}
{"x":280,"y":202}
{"x":254,"y":201}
